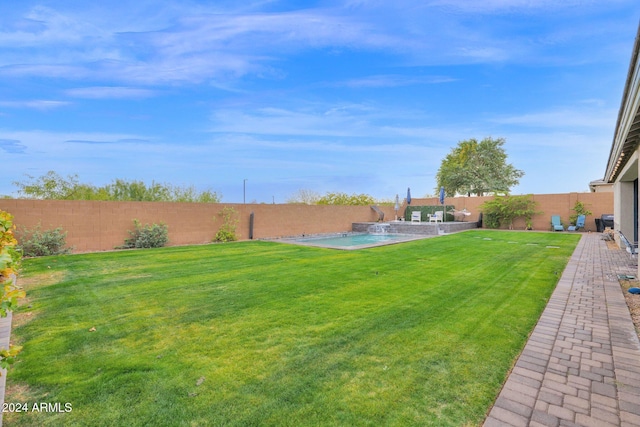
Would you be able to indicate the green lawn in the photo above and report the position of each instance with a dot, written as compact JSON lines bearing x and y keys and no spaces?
{"x":262,"y":333}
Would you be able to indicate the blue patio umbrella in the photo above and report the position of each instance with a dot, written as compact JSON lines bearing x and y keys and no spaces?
{"x":408,"y":196}
{"x":442,"y":202}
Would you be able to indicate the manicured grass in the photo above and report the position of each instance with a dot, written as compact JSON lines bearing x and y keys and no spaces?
{"x":261,"y":333}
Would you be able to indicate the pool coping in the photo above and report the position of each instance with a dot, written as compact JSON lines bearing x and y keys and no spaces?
{"x":311,"y":243}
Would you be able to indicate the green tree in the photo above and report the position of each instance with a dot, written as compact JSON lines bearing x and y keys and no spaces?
{"x":137,"y":191}
{"x":50,"y":186}
{"x":53,"y":186}
{"x":346,"y":199}
{"x":479,"y":168}
{"x":304,"y":196}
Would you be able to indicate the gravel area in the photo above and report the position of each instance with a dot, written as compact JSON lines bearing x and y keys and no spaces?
{"x":633,"y":300}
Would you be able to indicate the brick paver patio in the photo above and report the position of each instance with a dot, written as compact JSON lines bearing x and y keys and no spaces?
{"x":581,"y":365}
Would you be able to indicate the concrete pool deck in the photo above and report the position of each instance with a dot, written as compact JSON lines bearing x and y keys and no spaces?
{"x":581,"y":364}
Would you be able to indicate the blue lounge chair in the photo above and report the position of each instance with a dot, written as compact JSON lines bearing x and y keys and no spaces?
{"x":556,"y":223}
{"x":579,"y":224}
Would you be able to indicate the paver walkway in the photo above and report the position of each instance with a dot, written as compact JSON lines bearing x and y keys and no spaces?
{"x":581,"y":365}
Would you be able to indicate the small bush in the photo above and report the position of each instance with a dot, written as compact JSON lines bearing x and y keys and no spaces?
{"x":38,"y":242}
{"x":580,"y":209}
{"x":147,"y":236}
{"x":227,"y":232}
{"x":491,"y":220}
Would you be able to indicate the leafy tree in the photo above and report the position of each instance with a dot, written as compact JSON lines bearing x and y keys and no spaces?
{"x":310,"y":197}
{"x":50,"y":186}
{"x":307,"y":197}
{"x":479,"y":168}
{"x":346,"y":199}
{"x":53,"y":186}
{"x":137,"y":191}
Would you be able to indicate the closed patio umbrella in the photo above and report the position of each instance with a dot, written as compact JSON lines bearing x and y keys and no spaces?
{"x":442,"y":202}
{"x":408,"y":196}
{"x":397,"y":206}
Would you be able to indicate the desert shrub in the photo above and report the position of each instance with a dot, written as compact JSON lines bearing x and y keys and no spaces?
{"x":227,"y":231}
{"x":37,"y":242}
{"x":147,"y":236}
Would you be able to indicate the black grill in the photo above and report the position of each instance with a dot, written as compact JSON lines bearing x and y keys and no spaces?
{"x":607,"y":220}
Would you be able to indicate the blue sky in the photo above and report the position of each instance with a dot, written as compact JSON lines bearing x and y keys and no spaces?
{"x":356,"y":96}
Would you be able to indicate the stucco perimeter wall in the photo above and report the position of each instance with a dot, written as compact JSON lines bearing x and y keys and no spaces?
{"x":98,"y":226}
{"x":547,"y":204}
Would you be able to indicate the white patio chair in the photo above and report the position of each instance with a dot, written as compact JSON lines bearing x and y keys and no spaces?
{"x":436,"y":217}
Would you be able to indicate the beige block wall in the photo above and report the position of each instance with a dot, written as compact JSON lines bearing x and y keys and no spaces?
{"x":99,"y":226}
{"x":547,"y":204}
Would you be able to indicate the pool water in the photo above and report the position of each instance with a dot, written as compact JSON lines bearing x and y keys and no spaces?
{"x":355,"y":241}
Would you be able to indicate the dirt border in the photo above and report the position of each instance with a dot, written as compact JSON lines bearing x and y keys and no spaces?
{"x":633,"y":300}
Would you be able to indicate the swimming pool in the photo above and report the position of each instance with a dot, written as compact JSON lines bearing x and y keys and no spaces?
{"x":349,"y":241}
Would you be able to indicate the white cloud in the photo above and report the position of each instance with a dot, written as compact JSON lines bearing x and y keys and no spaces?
{"x":563,"y":118}
{"x":394,"y":81}
{"x":501,"y":6}
{"x":187,"y":43}
{"x":363,"y":124}
{"x":110,"y":92}
{"x":280,"y":121}
{"x":43,"y":25}
{"x":38,"y":104}
{"x":197,"y":44}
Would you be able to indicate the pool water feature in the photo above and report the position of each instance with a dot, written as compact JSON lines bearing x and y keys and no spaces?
{"x":379,"y":228}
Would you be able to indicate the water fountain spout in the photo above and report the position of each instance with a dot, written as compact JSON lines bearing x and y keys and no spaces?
{"x":379,"y":228}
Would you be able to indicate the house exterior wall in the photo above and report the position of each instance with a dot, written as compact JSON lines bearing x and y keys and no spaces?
{"x":624,"y":204}
{"x":623,"y":166}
